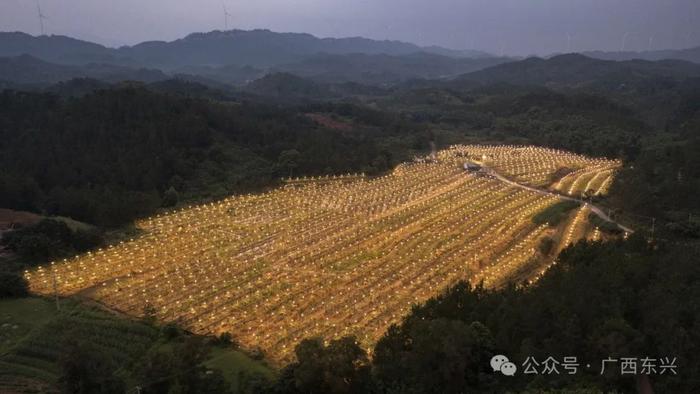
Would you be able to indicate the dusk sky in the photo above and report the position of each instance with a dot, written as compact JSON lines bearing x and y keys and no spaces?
{"x":516,"y":27}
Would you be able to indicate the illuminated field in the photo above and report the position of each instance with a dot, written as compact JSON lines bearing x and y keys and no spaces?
{"x":536,"y":166}
{"x":327,"y":257}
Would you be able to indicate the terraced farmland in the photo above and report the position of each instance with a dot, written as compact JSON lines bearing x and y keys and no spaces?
{"x":565,"y":172}
{"x":332,"y":258}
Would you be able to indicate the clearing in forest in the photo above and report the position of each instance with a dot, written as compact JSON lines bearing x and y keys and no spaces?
{"x":341,"y":256}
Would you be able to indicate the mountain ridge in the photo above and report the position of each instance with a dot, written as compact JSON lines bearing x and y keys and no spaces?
{"x":577,"y":69}
{"x":257,"y":48}
{"x":687,"y":54}
{"x":28,"y":70}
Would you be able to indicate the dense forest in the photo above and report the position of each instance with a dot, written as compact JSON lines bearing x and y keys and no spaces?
{"x":111,"y":156}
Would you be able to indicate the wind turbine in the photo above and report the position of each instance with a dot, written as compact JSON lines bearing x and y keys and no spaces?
{"x":651,"y":41}
{"x":568,"y":42}
{"x":41,"y":17}
{"x":624,"y":41}
{"x":226,"y":15}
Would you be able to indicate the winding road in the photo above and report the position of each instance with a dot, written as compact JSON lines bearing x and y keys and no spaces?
{"x":595,"y":209}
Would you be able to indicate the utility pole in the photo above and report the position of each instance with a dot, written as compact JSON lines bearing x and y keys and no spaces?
{"x":55,"y":290}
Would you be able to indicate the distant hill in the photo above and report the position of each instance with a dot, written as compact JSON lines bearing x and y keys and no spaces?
{"x":290,"y":89}
{"x":690,"y":55}
{"x":256,"y":48}
{"x":380,"y":69}
{"x":27,"y":69}
{"x":190,"y":87}
{"x":55,"y":49}
{"x":229,"y":74}
{"x":77,"y":87}
{"x":285,"y":85}
{"x":574,"y":70}
{"x":652,"y":89}
{"x":366,"y":69}
{"x":29,"y":73}
{"x":470,"y":53}
{"x":264,"y":48}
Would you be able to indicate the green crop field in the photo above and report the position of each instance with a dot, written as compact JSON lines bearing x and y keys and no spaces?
{"x":33,"y":332}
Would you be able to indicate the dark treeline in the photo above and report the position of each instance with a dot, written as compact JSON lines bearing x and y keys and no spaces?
{"x":50,"y":238}
{"x":110,"y":156}
{"x":575,"y":121}
{"x":663,"y":184}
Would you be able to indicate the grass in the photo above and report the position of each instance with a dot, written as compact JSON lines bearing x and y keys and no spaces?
{"x":233,"y":364}
{"x":31,"y":331}
{"x":19,"y":318}
{"x":73,"y":224}
{"x":36,"y":355}
{"x":604,"y":225}
{"x":554,"y":214}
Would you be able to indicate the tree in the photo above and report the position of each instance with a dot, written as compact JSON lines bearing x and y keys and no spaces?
{"x":309,"y":369}
{"x":289,"y":159}
{"x":12,"y":285}
{"x":170,"y":197}
{"x":440,"y":355}
{"x":48,"y":239}
{"x":86,"y":370}
{"x":346,"y":367}
{"x":180,"y":369}
{"x":340,"y":367}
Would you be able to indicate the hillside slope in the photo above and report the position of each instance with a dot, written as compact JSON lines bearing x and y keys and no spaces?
{"x":575,"y":70}
{"x":384,"y":69}
{"x":688,"y":54}
{"x":26,"y":69}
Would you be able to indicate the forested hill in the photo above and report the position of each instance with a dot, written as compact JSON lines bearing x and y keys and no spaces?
{"x":56,"y":49}
{"x":575,"y":70}
{"x":110,"y":156}
{"x":28,"y":70}
{"x":378,"y":69}
{"x":688,"y":54}
{"x":655,"y":92}
{"x":260,"y":48}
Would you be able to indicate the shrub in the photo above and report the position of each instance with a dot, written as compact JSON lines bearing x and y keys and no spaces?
{"x":50,"y":239}
{"x":546,"y":246}
{"x":171,"y":331}
{"x":224,"y":339}
{"x":12,"y":285}
{"x":170,"y":197}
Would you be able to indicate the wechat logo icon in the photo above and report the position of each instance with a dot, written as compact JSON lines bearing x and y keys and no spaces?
{"x":500,"y":363}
